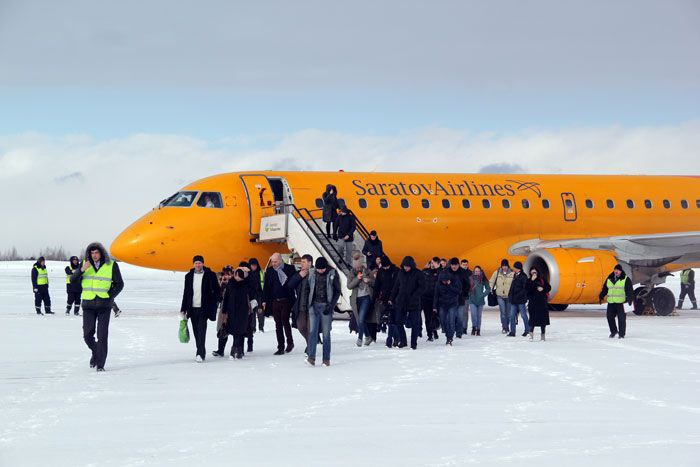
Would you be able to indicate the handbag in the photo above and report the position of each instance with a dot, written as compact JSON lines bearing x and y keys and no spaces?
{"x":492,"y":298}
{"x":184,"y":332}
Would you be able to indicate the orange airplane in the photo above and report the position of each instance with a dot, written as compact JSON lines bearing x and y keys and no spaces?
{"x":575,"y":228}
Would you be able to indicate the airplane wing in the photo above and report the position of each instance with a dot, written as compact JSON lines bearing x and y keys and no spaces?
{"x":647,"y":250}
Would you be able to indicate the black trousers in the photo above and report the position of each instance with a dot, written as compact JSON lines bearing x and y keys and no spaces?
{"x":97,"y":319}
{"x":617,"y":310}
{"x":42,"y":295}
{"x":73,"y":299}
{"x":199,"y":328}
{"x":281,"y":311}
{"x":431,"y":319}
{"x":237,"y":344}
{"x":261,"y":319}
{"x":690,"y":292}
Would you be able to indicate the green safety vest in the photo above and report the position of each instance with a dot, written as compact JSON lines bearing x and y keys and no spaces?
{"x":616,"y":291}
{"x":97,"y":283}
{"x":42,"y":277}
{"x":685,"y":276}
{"x":68,"y":277}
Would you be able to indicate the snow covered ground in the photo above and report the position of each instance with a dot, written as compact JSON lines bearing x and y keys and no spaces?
{"x":577,"y":399}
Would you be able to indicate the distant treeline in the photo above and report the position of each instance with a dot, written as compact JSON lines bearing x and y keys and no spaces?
{"x":50,"y":253}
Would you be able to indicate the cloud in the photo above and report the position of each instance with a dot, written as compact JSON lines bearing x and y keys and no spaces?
{"x":502,"y":168}
{"x":132,"y":174}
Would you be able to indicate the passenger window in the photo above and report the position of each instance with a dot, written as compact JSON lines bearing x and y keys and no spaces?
{"x":362,"y":202}
{"x":210,"y":199}
{"x":446,"y":203}
{"x":610,"y":203}
{"x":684,"y":204}
{"x":425,"y":203}
{"x":486,"y":203}
{"x":384,"y":203}
{"x":589,"y":203}
{"x":506,"y":203}
{"x":404,"y":203}
{"x":466,"y":204}
{"x":667,"y":204}
{"x":182,"y":199}
{"x":545,"y":203}
{"x":569,"y":204}
{"x":630,"y":204}
{"x":319,"y":203}
{"x":647,"y":204}
{"x":526,"y":204}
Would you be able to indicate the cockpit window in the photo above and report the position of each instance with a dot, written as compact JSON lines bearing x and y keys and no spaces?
{"x":210,"y":199}
{"x":181,"y":199}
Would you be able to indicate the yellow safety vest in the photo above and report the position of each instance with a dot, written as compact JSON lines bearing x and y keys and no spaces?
{"x":616,"y":291}
{"x":97,"y":283}
{"x":685,"y":276}
{"x":68,"y":276}
{"x":42,"y":277}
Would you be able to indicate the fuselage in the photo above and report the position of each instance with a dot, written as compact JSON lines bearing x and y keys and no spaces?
{"x":473,"y":216}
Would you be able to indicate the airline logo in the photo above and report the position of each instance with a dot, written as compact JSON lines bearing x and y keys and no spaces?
{"x":463,"y":188}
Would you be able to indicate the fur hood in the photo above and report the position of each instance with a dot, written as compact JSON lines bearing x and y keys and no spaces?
{"x":106,"y":259}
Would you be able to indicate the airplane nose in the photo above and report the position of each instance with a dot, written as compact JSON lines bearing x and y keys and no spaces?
{"x":129,"y":245}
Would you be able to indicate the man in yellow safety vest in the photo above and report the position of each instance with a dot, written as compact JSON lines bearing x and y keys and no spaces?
{"x":618,"y":288}
{"x":101,"y":281}
{"x":687,"y":288}
{"x":40,"y":286}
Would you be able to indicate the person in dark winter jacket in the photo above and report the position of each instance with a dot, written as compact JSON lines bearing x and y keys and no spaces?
{"x":330,"y":208}
{"x":406,"y":300}
{"x":383,"y":285}
{"x":361,"y":283}
{"x":237,"y":311}
{"x":517,"y":296}
{"x":278,"y":299}
{"x":618,"y":288}
{"x":245,"y":266}
{"x":324,"y":292}
{"x":466,"y":277}
{"x":478,"y":290}
{"x":446,"y":300}
{"x":73,"y":289}
{"x":256,"y":282}
{"x":372,"y":250}
{"x":40,"y":286}
{"x":200,"y":298}
{"x":687,"y":288}
{"x":300,"y":310}
{"x":344,"y":230}
{"x":430,"y":274}
{"x":101,"y":282}
{"x":221,"y":330}
{"x":538,"y":295}
{"x":461,"y":277}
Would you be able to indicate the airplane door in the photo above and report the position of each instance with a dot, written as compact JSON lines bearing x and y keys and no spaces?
{"x":569,"y":202}
{"x":261,"y":200}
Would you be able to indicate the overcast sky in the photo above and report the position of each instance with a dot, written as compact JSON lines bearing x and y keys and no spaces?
{"x":140,"y":98}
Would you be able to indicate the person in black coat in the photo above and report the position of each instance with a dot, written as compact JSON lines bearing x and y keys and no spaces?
{"x":344,"y":229}
{"x":538,"y":293}
{"x":255,"y":278}
{"x":200,"y":299}
{"x":446,"y":301}
{"x":616,"y":300}
{"x":330,"y":208}
{"x":237,"y":311}
{"x":372,"y":250}
{"x":40,"y":286}
{"x":73,"y":289}
{"x":406,"y":300}
{"x":278,"y":299}
{"x":517,"y":296}
{"x":383,"y":285}
{"x":430,"y":275}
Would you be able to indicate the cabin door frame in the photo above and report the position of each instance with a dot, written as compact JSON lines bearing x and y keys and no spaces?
{"x":568,"y":201}
{"x":261,"y":200}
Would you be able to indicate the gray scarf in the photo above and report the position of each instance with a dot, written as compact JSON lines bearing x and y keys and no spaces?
{"x":281,"y":275}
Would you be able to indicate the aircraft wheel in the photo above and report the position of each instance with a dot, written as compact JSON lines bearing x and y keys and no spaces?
{"x":663,"y":300}
{"x":641,"y":300}
{"x":557,"y":307}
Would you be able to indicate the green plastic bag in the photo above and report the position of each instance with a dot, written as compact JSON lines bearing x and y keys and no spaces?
{"x":184,"y":332}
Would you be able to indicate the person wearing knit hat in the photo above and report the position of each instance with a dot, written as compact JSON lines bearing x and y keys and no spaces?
{"x":500,"y":283}
{"x":200,"y":299}
{"x":324,"y":293}
{"x":517,"y":296}
{"x":618,"y":290}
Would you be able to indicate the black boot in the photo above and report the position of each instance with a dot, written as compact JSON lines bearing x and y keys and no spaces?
{"x":250,"y":345}
{"x":680,"y":305}
{"x":68,"y":309}
{"x":38,"y":310}
{"x":695,"y":305}
{"x":47,"y":310}
{"x":76,"y":310}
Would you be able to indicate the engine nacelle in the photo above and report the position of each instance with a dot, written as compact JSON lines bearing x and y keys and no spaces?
{"x":576,"y":276}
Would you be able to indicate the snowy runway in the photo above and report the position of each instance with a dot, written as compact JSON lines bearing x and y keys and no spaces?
{"x":577,"y":399}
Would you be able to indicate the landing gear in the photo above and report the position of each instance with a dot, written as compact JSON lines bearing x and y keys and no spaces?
{"x":557,"y":307}
{"x":653,"y":300}
{"x":663,"y":300}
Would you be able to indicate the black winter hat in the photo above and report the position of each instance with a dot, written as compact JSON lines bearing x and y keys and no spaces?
{"x":374,"y":232}
{"x":504,"y":262}
{"x":445,"y":276}
{"x":198,"y":258}
{"x":518,"y":265}
{"x":321,"y":263}
{"x":454,"y":261}
{"x":618,"y":267}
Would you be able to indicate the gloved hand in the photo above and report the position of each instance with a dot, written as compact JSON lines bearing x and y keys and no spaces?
{"x":327,"y":311}
{"x":36,"y":290}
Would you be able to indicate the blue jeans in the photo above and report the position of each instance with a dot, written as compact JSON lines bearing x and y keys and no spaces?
{"x":514,"y":308}
{"x":449,"y":316}
{"x":318,"y":319}
{"x":363,"y":308}
{"x":504,"y":307}
{"x":458,"y":321}
{"x":476,"y":311}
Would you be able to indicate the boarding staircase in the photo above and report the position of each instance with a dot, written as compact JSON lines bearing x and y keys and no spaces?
{"x":305,"y":233}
